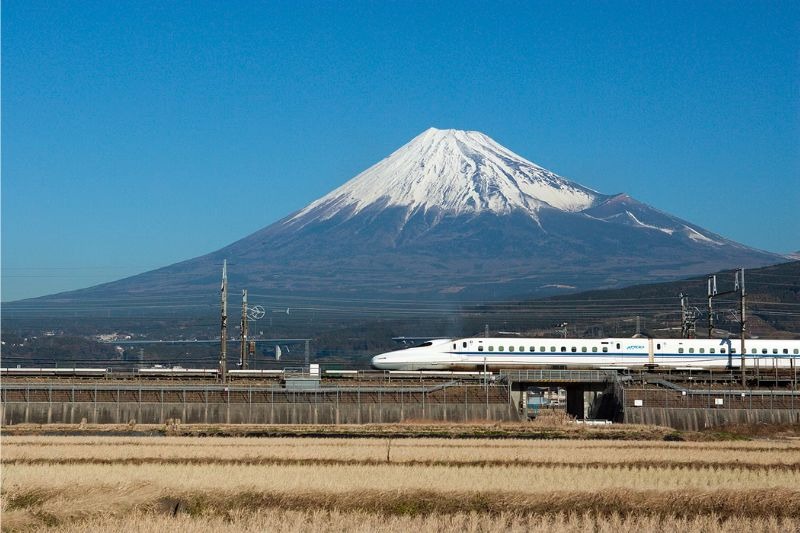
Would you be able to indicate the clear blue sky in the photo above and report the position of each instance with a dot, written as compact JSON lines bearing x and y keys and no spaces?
{"x":133,"y":131}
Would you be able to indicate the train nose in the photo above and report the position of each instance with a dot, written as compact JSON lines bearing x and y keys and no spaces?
{"x":380,"y":362}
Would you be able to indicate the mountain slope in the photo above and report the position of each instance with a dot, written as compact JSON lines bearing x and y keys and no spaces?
{"x":450,"y":215}
{"x":452,"y":171}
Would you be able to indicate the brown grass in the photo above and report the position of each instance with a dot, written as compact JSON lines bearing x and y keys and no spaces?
{"x":421,"y":428}
{"x":337,"y":478}
{"x":279,"y":520}
{"x":232,"y":484}
{"x":421,"y":452}
{"x":59,"y":508}
{"x":548,"y":425}
{"x":255,"y":461}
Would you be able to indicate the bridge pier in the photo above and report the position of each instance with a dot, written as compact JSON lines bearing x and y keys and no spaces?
{"x":575,"y":404}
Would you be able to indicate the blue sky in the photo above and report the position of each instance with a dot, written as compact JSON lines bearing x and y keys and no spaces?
{"x":138,"y":134}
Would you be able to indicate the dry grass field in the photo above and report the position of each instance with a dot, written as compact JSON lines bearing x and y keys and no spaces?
{"x":400,"y":484}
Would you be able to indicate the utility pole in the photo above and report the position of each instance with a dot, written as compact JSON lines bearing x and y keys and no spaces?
{"x":742,"y":321}
{"x":243,"y":356}
{"x":738,"y":287}
{"x":223,"y":355}
{"x":688,"y":318}
{"x":684,"y":317}
{"x":712,"y":291}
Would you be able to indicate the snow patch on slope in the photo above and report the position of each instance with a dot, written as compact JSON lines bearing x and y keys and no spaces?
{"x":699,"y":237}
{"x":638,"y":222}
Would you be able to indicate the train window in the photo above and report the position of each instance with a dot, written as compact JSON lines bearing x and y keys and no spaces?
{"x":454,"y":346}
{"x":491,"y":348}
{"x":702,"y":350}
{"x":574,"y":348}
{"x":763,"y":350}
{"x":786,"y":350}
{"x":521,"y":348}
{"x":711,"y":350}
{"x":605,"y":348}
{"x":594,"y":348}
{"x":680,"y":350}
{"x":753,"y":351}
{"x":722,"y":350}
{"x":583,"y":348}
{"x":465,"y":344}
{"x":480,"y":348}
{"x":563,"y":348}
{"x":510,"y":348}
{"x":658,"y":346}
{"x":552,"y":348}
{"x":796,"y":351}
{"x":617,"y":346}
{"x":691,"y":350}
{"x":533,"y":348}
{"x":733,"y":350}
{"x":500,"y":348}
{"x":774,"y":350}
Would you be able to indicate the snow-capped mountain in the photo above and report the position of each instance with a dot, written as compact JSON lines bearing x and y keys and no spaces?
{"x":454,"y":215}
{"x":457,"y":173}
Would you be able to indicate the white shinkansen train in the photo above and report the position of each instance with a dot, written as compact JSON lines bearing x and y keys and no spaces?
{"x":495,"y":353}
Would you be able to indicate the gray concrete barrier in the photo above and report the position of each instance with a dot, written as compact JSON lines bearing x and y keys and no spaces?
{"x":696,"y":419}
{"x":256,"y":413}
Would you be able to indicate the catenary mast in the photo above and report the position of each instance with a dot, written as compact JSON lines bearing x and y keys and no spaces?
{"x":223,"y":354}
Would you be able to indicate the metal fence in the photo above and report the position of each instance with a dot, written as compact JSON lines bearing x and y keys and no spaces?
{"x":712,"y":398}
{"x":111,"y":403}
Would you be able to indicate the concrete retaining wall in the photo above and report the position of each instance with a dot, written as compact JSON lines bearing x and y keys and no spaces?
{"x":255,"y":413}
{"x":695,"y":419}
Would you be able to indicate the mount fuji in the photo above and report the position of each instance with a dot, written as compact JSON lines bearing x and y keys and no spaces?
{"x":452,"y":215}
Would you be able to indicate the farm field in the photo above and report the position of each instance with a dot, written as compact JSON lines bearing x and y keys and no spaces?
{"x":396,"y":484}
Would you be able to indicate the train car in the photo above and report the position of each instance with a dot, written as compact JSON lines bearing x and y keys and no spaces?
{"x":177,"y":371}
{"x":254,"y":373}
{"x":54,"y":371}
{"x":495,"y":353}
{"x":337,"y":373}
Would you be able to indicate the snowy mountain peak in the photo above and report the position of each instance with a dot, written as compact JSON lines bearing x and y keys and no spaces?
{"x":455,"y":172}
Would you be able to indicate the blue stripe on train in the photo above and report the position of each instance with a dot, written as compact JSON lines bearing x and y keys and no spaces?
{"x":640,"y":354}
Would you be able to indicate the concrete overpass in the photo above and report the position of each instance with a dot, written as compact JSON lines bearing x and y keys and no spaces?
{"x":577,"y":383}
